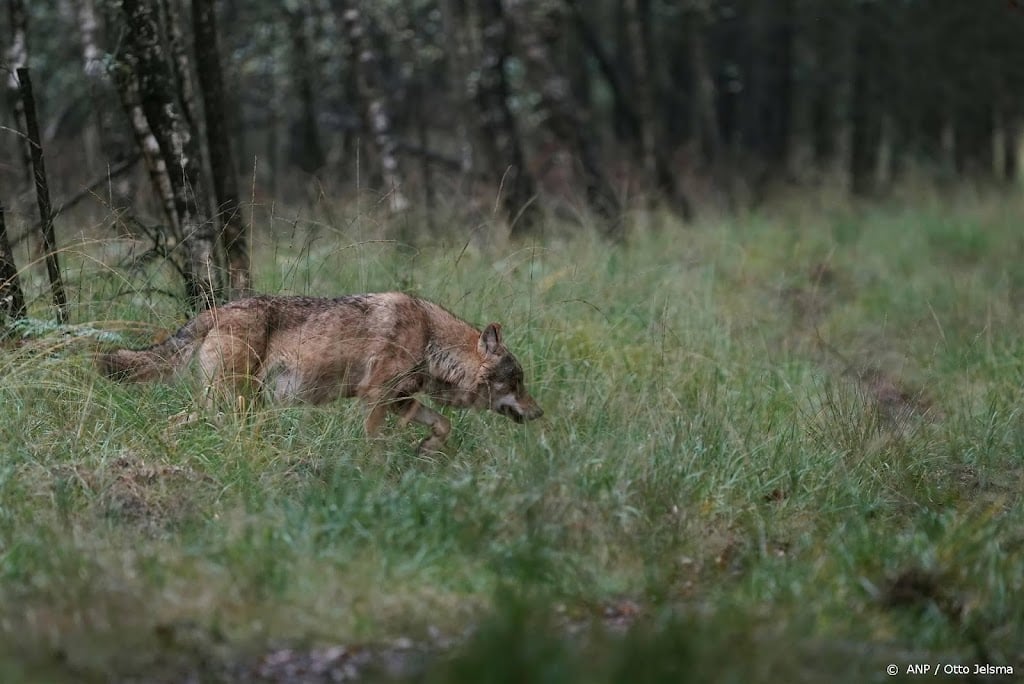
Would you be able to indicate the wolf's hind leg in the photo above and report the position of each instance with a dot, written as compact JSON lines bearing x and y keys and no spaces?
{"x":374,"y":418}
{"x":229,"y":366}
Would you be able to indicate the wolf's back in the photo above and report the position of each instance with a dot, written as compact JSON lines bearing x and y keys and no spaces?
{"x":157,"y":362}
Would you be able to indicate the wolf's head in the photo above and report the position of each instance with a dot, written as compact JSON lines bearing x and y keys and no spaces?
{"x":501,"y":381}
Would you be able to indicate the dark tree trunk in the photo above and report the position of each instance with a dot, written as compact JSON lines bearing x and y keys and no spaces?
{"x":374,"y":107}
{"x":866,"y":118}
{"x":780,"y":97}
{"x":800,"y":147}
{"x":43,"y":196}
{"x":705,"y":126}
{"x":974,"y":148}
{"x":626,"y":119}
{"x":179,"y":150}
{"x":234,"y":232}
{"x":457,"y":66}
{"x":541,"y":29}
{"x":726,"y":40}
{"x":623,"y":56}
{"x":180,"y":64}
{"x":307,"y":149}
{"x":107,"y":140}
{"x":574,"y":56}
{"x":17,"y":58}
{"x":12,"y":300}
{"x":637,"y":15}
{"x":766,"y":50}
{"x":499,"y":133}
{"x":653,"y":155}
{"x":241,"y":145}
{"x":835,"y":44}
{"x":419,"y":94}
{"x":1011,"y":149}
{"x":352,"y":143}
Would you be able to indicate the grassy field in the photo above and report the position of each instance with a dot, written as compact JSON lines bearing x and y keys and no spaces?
{"x":785,"y":446}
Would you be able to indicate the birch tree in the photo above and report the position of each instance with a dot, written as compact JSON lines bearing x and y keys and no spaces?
{"x":179,"y":149}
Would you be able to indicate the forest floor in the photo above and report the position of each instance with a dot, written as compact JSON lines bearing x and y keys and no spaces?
{"x":783,"y":446}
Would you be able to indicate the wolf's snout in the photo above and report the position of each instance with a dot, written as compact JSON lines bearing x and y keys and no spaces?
{"x":527,"y":409}
{"x":519,"y":409}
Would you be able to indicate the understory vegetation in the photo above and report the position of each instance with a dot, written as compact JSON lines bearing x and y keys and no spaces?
{"x":783,"y":446}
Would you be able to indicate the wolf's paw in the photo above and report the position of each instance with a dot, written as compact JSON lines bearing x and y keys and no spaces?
{"x":183,"y":418}
{"x":430,"y":447}
{"x":177,"y":421}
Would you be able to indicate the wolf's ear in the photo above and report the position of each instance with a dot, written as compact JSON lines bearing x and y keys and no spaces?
{"x":490,"y":340}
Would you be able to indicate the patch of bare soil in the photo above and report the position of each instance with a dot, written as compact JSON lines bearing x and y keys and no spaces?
{"x":400,"y":660}
{"x":897,"y":399}
{"x":916,"y":588}
{"x":149,"y":495}
{"x":406,"y":659}
{"x":810,"y":301}
{"x":977,"y":485}
{"x":191,"y":653}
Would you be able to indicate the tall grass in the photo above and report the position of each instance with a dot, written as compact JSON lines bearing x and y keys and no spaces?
{"x":789,"y":443}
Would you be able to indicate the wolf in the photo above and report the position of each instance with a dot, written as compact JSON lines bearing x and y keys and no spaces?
{"x":383,"y":348}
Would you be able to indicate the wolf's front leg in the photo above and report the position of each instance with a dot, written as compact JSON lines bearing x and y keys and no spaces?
{"x":412,"y":410}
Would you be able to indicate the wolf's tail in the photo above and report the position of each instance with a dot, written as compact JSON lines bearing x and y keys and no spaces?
{"x":159,"y":361}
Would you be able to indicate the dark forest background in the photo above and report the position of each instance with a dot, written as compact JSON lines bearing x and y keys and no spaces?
{"x":518,"y":110}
